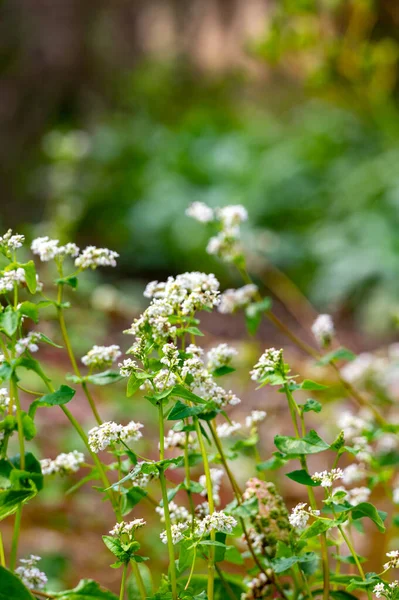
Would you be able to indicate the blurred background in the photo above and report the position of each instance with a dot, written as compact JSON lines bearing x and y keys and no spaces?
{"x":115,"y":116}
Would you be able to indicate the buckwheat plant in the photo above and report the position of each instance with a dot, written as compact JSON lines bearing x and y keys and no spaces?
{"x":214,"y":518}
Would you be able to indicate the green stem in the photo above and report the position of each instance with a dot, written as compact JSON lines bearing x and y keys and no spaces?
{"x":15,"y":538}
{"x":187,"y":481}
{"x":139,"y":579}
{"x":122,"y":591}
{"x":312,"y":499}
{"x":192,"y":569}
{"x":2,"y":555}
{"x":68,"y":345}
{"x":168,"y":523}
{"x":211,"y":559}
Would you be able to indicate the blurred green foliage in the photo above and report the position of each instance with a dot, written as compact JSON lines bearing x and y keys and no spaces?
{"x":320,"y":184}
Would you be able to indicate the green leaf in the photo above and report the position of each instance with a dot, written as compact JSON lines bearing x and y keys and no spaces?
{"x":32,"y":469}
{"x":249,"y":508}
{"x":28,"y":427}
{"x":339,"y":354}
{"x":224,"y":370}
{"x":199,"y":584}
{"x":133,"y":593}
{"x":253,"y":314}
{"x":71,"y":280}
{"x":104,"y":378}
{"x":365,"y":509}
{"x":46,"y":340}
{"x":293,"y":447}
{"x":283,"y":564}
{"x":194,"y":331}
{"x":132,"y":498}
{"x":312,"y":405}
{"x":9,"y":319}
{"x":233,"y":556}
{"x":29,"y":309}
{"x":86,"y":590}
{"x":30,"y":276}
{"x":32,"y":365}
{"x":133,"y":384}
{"x":272,"y":464}
{"x":308,"y":384}
{"x":62,"y":396}
{"x":6,"y":371}
{"x":301,"y":476}
{"x":182,"y":411}
{"x":11,"y":499}
{"x":12,"y":588}
{"x":179,"y":391}
{"x":115,"y":546}
{"x":319,"y":526}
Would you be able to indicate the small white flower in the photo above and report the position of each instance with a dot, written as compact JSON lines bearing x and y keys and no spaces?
{"x":225,"y":430}
{"x":200,"y":212}
{"x":232,"y":216}
{"x":28,"y":343}
{"x":393,"y":562}
{"x":270,"y":362}
{"x":217,"y":521}
{"x":323,"y":330}
{"x":92,"y":257}
{"x":108,"y":433}
{"x":354,"y":473}
{"x":100,"y":356}
{"x":178,"y":514}
{"x":326,"y":478}
{"x":64,"y":464}
{"x":48,"y":249}
{"x":5,"y":400}
{"x":300,"y":515}
{"x":30,"y":575}
{"x":170,"y":355}
{"x":127,"y":528}
{"x":216,"y":479}
{"x":379,"y":590}
{"x":256,"y":416}
{"x":11,"y":242}
{"x":220,"y":356}
{"x":177,"y":531}
{"x":232,"y":299}
{"x":127,"y":367}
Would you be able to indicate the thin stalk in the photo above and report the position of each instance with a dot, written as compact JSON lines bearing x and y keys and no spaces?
{"x":15,"y":538}
{"x":168,"y":523}
{"x":192,"y":569}
{"x":18,"y":514}
{"x":312,"y":499}
{"x":2,"y":555}
{"x":123,"y":581}
{"x":68,"y":346}
{"x":187,"y":481}
{"x":211,"y":559}
{"x":139,"y":579}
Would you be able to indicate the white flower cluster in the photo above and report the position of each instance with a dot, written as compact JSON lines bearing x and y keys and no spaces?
{"x":300,"y":515}
{"x":178,"y":514}
{"x":256,"y":416}
{"x":63,"y":464}
{"x":385,"y":590}
{"x":327,"y":478}
{"x":10,"y":278}
{"x":143,"y":479}
{"x":202,"y":382}
{"x":269,"y":363}
{"x":170,"y":355}
{"x":220,"y":356}
{"x":233,"y":299}
{"x":354,"y":426}
{"x":30,"y":575}
{"x":323,"y":330}
{"x":184,"y":294}
{"x":127,"y":528}
{"x":226,"y":244}
{"x":358,"y":369}
{"x":101,"y":356}
{"x":200,"y":212}
{"x":48,"y":249}
{"x":354,"y":496}
{"x":92,"y":257}
{"x":108,"y":433}
{"x":393,"y":562}
{"x":127,"y":367}
{"x":225,"y":430}
{"x":216,"y":479}
{"x":354,"y":473}
{"x":177,"y":531}
{"x":217,"y":521}
{"x":5,"y":401}
{"x":178,"y":439}
{"x":28,"y":343}
{"x":10,"y":242}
